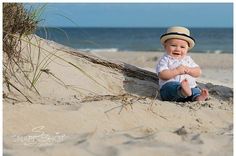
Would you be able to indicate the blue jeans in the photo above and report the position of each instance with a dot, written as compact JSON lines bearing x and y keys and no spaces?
{"x":171,"y":91}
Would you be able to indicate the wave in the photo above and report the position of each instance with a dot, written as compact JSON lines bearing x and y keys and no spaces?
{"x":217,"y":51}
{"x":99,"y":50}
{"x":133,"y":50}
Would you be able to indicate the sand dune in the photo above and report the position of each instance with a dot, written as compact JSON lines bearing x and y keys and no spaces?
{"x":108,"y":104}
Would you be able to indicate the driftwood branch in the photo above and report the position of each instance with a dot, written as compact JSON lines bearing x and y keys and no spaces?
{"x":137,"y":81}
{"x":150,"y":87}
{"x":127,"y":69}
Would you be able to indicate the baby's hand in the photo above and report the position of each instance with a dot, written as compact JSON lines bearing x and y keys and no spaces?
{"x":187,"y":70}
{"x":181,"y":69}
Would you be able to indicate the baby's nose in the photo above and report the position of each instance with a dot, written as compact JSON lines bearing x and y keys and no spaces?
{"x":177,"y":48}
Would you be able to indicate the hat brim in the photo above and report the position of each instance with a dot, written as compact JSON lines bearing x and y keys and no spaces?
{"x":165,"y":37}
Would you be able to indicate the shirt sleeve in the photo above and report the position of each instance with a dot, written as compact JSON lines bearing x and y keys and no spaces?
{"x":162,"y":64}
{"x":191,"y":62}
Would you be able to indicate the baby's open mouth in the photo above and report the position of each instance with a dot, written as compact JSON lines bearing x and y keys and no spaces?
{"x":176,"y":54}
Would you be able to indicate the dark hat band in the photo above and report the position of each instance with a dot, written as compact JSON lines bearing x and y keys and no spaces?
{"x":175,"y":33}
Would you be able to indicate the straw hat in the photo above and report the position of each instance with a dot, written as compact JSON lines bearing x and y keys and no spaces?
{"x":179,"y":33}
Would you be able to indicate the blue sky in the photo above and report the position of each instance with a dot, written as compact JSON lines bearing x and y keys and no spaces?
{"x":137,"y":14}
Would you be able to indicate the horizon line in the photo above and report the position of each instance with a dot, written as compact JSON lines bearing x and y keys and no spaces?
{"x":126,"y":27}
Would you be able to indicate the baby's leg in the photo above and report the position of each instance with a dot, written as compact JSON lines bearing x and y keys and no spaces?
{"x":185,"y":88}
{"x":203,"y":96}
{"x":171,"y":91}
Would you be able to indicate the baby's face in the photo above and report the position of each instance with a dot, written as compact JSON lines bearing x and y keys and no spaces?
{"x":176,"y":48}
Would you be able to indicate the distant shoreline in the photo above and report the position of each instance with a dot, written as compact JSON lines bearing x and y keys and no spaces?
{"x":157,"y":51}
{"x":208,"y":40}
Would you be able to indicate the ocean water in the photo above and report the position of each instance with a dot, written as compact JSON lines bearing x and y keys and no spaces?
{"x":210,"y":40}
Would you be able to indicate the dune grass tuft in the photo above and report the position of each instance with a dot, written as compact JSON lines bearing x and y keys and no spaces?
{"x":18,"y":25}
{"x":17,"y":21}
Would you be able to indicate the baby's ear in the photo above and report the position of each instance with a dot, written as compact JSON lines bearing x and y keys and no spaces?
{"x":188,"y":49}
{"x":164,"y":45}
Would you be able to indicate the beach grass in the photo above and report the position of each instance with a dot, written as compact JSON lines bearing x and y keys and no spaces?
{"x":18,"y":25}
{"x":16,"y":22}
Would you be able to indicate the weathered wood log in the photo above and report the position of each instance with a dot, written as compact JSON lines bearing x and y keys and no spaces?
{"x":150,"y":80}
{"x":127,"y":69}
{"x":138,"y":81}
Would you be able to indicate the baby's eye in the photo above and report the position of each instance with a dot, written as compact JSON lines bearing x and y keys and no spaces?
{"x":173,"y":45}
{"x":182,"y":47}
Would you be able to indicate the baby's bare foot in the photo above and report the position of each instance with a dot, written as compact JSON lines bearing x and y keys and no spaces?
{"x":185,"y":89}
{"x":203,"y":96}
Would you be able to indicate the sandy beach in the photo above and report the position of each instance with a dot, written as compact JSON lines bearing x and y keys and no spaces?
{"x":107,"y":104}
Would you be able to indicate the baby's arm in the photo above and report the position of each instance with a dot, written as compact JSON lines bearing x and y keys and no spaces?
{"x":195,"y":71}
{"x":171,"y":73}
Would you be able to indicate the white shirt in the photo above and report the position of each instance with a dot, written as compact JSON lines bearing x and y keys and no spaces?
{"x":168,"y":62}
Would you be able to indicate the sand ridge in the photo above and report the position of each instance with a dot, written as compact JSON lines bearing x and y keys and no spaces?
{"x":86,"y":108}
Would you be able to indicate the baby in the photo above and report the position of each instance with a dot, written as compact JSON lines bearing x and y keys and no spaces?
{"x":176,"y":70}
